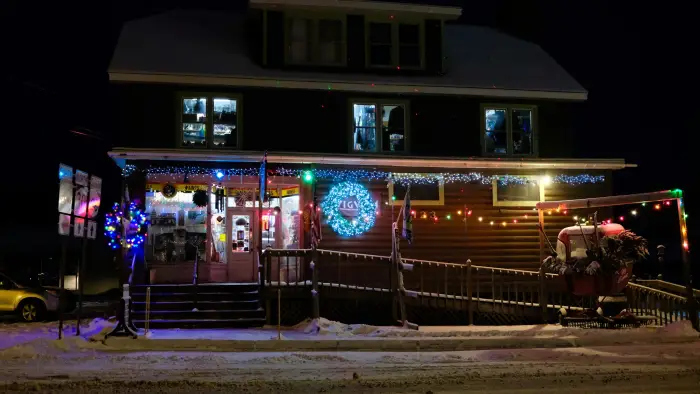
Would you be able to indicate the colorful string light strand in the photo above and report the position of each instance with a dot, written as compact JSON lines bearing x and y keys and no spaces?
{"x":136,"y":232}
{"x":355,"y":175}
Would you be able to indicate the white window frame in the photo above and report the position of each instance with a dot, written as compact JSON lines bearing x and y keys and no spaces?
{"x":509,"y":129}
{"x":210,"y":118}
{"x":417,"y":203}
{"x":540,"y":185}
{"x":378,"y":103}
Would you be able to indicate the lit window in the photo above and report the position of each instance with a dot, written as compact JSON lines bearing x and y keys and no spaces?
{"x":200,"y":114}
{"x":508,"y":130}
{"x":526,"y":194}
{"x":422,"y":194}
{"x":379,"y":127}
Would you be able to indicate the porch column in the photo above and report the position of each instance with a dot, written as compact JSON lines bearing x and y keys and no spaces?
{"x":209,"y":239}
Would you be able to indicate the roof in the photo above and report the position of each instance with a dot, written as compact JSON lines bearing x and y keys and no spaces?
{"x":363,"y":5}
{"x":209,"y":48}
{"x":120,"y":155}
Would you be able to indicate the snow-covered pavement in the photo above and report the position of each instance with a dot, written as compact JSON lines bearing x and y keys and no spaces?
{"x":643,"y":369}
{"x":33,"y":360}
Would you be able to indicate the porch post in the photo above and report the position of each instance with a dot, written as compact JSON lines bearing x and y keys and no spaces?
{"x":209,"y":239}
{"x":692,"y":304}
{"x":542,"y":276}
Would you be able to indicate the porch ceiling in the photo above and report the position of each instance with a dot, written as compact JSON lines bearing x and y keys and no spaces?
{"x":121,"y":155}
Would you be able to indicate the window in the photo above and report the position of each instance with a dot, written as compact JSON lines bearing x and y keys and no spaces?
{"x":421,"y":194}
{"x":527,"y":194}
{"x":509,"y":130}
{"x":394,"y":45}
{"x":209,"y":121}
{"x":315,"y":41}
{"x":379,"y":127}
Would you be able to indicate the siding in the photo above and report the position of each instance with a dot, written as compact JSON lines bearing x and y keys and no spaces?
{"x":145,"y":116}
{"x":514,"y":246}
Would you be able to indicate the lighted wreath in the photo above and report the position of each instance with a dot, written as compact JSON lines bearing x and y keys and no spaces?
{"x":137,"y":225}
{"x":366,"y":209}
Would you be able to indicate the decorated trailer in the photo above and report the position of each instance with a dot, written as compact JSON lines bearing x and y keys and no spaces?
{"x":596,"y":259}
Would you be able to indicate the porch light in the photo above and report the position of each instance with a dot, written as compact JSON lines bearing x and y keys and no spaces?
{"x":546,"y":180}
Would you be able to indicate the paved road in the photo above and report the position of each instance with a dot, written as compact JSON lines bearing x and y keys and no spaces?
{"x":643,"y":369}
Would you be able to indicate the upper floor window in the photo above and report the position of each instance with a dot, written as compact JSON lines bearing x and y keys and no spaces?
{"x":209,"y":121}
{"x":509,"y":130}
{"x":379,"y":126}
{"x":315,"y":41}
{"x":394,"y":44}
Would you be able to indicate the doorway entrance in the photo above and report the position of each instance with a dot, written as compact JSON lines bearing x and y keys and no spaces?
{"x":241,"y":244}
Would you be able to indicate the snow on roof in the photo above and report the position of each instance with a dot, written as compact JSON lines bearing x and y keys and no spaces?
{"x":213,"y":44}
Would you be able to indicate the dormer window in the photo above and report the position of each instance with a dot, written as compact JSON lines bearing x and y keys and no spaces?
{"x":315,"y":41}
{"x":394,"y":44}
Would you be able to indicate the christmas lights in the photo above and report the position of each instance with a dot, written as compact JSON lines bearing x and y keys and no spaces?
{"x":136,"y":232}
{"x":353,"y":198}
{"x":355,"y":175}
{"x":113,"y":227}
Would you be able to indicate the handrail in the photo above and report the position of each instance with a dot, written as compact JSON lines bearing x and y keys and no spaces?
{"x":664,"y":285}
{"x":364,"y":255}
{"x":658,"y":292}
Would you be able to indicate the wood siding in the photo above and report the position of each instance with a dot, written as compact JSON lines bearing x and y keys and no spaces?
{"x":145,"y":116}
{"x":515,"y":245}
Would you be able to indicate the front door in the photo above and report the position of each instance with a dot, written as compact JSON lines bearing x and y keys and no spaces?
{"x":241,"y":242}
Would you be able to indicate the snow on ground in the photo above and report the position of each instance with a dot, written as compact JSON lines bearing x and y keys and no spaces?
{"x":638,"y":369}
{"x":39,"y":339}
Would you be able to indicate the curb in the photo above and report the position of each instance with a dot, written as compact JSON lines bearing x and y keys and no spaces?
{"x":380,"y":345}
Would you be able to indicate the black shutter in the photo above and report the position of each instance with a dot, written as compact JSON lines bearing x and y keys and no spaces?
{"x":433,"y":46}
{"x":356,"y":42}
{"x":275,"y":39}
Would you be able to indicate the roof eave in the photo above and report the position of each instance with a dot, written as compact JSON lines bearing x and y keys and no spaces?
{"x":116,"y":75}
{"x":443,"y":12}
{"x":121,"y":155}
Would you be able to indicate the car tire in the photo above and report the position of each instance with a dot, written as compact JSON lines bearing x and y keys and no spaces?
{"x":30,"y":311}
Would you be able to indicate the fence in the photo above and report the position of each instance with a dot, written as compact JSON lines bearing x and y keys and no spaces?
{"x":467,"y":287}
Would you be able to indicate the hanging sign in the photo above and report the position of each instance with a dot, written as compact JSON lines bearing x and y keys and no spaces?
{"x":81,"y":178}
{"x":179,"y":187}
{"x":79,"y":227}
{"x":91,"y":229}
{"x":80,"y":201}
{"x":63,"y":224}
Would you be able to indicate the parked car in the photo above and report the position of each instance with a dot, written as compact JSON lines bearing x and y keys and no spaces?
{"x":28,"y":303}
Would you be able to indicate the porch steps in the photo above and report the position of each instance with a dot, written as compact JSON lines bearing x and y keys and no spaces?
{"x":217,"y":306}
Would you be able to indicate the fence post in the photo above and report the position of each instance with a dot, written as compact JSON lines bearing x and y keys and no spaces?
{"x":316,"y":311}
{"x":470,"y":305}
{"x":543,"y":294}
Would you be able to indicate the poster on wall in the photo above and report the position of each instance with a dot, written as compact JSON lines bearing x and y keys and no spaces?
{"x":95,"y":196}
{"x":80,"y":201}
{"x":63,"y":224}
{"x":79,"y":227}
{"x":81,"y":178}
{"x":65,"y":189}
{"x":92,"y":229}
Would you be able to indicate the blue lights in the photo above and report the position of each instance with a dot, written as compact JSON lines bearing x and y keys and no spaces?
{"x":219,"y":174}
{"x":350,"y":209}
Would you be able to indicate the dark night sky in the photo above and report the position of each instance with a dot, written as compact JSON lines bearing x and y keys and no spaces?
{"x":632,"y":60}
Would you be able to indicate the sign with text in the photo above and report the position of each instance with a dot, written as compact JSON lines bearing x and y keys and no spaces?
{"x":179,"y":187}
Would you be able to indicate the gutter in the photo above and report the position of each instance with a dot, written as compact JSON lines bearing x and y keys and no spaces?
{"x":121,"y":155}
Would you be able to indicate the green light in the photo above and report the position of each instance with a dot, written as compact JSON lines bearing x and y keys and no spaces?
{"x":449,"y":217}
{"x":393,"y":198}
{"x":644,"y":204}
{"x":685,"y":216}
{"x":677,"y":192}
{"x":308,"y":176}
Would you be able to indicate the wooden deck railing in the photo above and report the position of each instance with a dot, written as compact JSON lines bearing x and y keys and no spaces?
{"x":473,"y":287}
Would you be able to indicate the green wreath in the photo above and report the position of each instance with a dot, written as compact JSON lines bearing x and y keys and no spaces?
{"x":366,"y":208}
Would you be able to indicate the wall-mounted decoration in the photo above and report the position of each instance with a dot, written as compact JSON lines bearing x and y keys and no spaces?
{"x":349,"y":209}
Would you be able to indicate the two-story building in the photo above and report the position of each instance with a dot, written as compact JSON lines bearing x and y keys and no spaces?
{"x":359,"y":98}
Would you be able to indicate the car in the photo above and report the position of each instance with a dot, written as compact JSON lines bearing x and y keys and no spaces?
{"x":28,"y":303}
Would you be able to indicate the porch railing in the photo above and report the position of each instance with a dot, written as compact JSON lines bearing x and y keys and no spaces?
{"x":469,"y":287}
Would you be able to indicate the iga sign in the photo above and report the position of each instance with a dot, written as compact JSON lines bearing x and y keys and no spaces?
{"x":349,"y":209}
